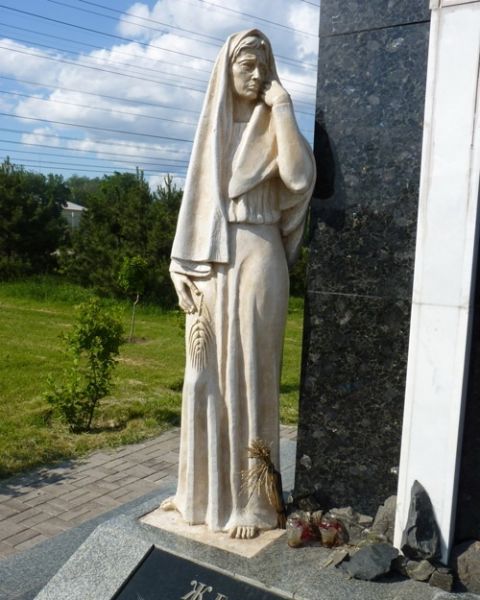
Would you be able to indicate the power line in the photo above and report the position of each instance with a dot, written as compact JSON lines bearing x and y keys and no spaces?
{"x":93,"y":12}
{"x":102,"y":143}
{"x":150,"y":20}
{"x":84,"y":170}
{"x":67,"y":164}
{"x":112,"y":35}
{"x":108,"y":110}
{"x":115,"y":161}
{"x":82,"y":43}
{"x":255,"y":17}
{"x":188,"y":30}
{"x":96,"y":31}
{"x":312,"y":3}
{"x":121,"y":64}
{"x":130,"y":55}
{"x":68,"y":89}
{"x":279,"y":56}
{"x":150,"y":135}
{"x":79,"y":64}
{"x":67,"y":148}
{"x":112,"y":62}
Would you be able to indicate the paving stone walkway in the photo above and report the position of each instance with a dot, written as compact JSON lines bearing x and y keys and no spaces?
{"x":48,"y":501}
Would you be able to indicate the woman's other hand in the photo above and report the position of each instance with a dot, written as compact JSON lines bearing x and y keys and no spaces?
{"x":186,"y":290}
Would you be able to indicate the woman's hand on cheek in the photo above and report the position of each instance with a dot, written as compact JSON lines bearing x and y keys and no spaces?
{"x":274,"y":93}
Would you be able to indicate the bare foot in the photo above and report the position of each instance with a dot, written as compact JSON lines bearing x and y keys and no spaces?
{"x":168,"y":504}
{"x":243,"y":532}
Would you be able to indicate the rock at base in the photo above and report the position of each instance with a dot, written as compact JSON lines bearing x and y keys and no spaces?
{"x":354,"y":523}
{"x":419,"y":570}
{"x":421,"y":537}
{"x":442,"y":579}
{"x":371,"y":562}
{"x":466,"y":563}
{"x":384,"y":522}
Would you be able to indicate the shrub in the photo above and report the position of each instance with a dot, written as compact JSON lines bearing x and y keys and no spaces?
{"x":94,"y":345}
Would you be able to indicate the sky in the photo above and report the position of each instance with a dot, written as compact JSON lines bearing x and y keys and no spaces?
{"x":89,"y":87}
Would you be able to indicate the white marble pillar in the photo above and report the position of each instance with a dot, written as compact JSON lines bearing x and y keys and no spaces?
{"x":444,"y":266}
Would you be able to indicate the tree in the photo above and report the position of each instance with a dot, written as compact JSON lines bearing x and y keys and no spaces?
{"x":83,"y":188}
{"x":114,"y":226}
{"x":125,"y":219}
{"x":31,"y":224}
{"x":132,"y":278}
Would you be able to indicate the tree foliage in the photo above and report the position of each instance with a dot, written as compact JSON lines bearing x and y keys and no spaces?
{"x":125,"y":219}
{"x":31,"y":224}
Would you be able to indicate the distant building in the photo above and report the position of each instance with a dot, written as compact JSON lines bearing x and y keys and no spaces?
{"x":72,"y":213}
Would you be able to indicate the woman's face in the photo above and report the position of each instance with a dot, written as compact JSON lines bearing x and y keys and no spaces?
{"x":249,"y":71}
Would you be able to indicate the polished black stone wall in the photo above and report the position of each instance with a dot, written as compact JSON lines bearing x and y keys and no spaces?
{"x":467,"y":526}
{"x":371,"y":88}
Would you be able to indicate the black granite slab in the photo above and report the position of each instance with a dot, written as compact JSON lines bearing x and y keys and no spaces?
{"x":343,"y":16}
{"x":355,"y":395}
{"x":163,"y":575}
{"x":371,"y":90}
{"x":467,"y":526}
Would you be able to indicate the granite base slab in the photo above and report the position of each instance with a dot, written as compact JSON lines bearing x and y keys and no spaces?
{"x":112,"y":552}
{"x":171,"y":521}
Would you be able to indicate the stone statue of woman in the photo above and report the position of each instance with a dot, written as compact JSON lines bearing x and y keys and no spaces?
{"x":241,"y":222}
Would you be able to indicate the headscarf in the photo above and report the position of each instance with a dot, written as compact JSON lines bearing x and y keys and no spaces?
{"x":202,"y":227}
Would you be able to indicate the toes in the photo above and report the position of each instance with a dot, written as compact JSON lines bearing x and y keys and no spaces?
{"x":168,"y":504}
{"x":243,"y":532}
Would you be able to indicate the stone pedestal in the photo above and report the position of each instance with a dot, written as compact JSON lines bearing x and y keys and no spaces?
{"x":445,"y":274}
{"x":371,"y":89}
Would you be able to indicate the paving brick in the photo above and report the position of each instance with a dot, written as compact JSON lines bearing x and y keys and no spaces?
{"x":5,"y":548}
{"x":32,"y":521}
{"x":51,"y":526}
{"x":123,"y":480}
{"x":71,"y":494}
{"x":37,"y":500}
{"x":26,"y":514}
{"x":106,"y":486}
{"x":129,"y":496}
{"x":119,"y":492}
{"x":7,"y":512}
{"x":22,"y":536}
{"x":106,"y":501}
{"x":55,"y":507}
{"x":83,"y":499}
{"x":10,"y":528}
{"x":15,"y":504}
{"x":91,"y":478}
{"x":31,"y":542}
{"x":171,"y":457}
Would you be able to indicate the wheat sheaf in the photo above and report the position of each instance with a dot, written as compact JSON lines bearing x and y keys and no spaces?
{"x":264,"y":477}
{"x":199,"y":338}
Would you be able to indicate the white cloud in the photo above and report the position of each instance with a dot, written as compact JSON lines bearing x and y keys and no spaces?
{"x":41,"y":135}
{"x":173,"y":76}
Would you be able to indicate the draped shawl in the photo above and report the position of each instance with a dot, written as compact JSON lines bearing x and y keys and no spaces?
{"x":202,"y":227}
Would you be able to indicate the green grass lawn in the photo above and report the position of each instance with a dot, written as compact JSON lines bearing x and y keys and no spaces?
{"x":148,"y":378}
